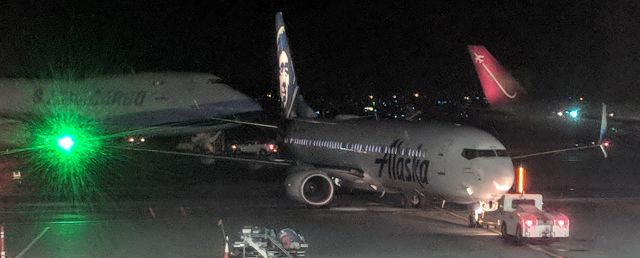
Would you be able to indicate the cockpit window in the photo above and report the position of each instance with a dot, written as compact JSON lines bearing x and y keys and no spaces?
{"x":473,"y":153}
{"x":469,"y":154}
{"x":486,"y":153}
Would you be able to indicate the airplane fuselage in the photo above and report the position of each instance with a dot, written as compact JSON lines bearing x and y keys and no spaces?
{"x":396,"y":156}
{"x":124,"y":102}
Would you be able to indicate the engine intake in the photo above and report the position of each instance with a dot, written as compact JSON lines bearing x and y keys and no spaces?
{"x":312,"y":187}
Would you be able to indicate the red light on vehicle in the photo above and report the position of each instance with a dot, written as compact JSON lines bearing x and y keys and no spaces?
{"x":606,"y":143}
{"x":271,"y":146}
{"x":528,"y":222}
{"x":562,"y":221}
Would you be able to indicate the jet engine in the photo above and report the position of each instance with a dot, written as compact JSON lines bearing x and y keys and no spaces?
{"x":312,"y":187}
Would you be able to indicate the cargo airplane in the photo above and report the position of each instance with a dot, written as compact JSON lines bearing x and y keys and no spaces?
{"x":143,"y":104}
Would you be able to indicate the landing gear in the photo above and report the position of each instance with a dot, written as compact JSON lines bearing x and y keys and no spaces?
{"x":475,"y":219}
{"x":411,"y":201}
{"x":474,"y":222}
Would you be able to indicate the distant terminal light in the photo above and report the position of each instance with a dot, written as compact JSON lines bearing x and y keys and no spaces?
{"x":581,"y":98}
{"x":416,"y":94}
{"x":269,"y":95}
{"x":369,"y":109}
{"x":574,"y":113}
{"x":394,"y":96}
{"x":370,"y":96}
{"x":612,"y":114}
{"x":560,"y":113}
{"x":467,"y":98}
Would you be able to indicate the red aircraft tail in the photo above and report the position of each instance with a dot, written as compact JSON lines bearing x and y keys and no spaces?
{"x":498,"y":85}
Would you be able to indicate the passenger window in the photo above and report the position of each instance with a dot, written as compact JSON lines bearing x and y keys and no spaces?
{"x":502,"y":153}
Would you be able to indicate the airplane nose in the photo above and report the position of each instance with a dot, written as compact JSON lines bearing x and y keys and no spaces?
{"x":496,"y":177}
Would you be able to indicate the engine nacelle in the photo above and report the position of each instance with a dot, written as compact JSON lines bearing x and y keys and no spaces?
{"x":311,"y":187}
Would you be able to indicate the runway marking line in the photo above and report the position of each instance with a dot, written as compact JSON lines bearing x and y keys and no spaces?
{"x":32,"y":242}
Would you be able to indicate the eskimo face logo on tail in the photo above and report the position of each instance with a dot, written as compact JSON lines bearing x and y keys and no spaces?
{"x":405,"y":169}
{"x":284,"y":66}
{"x":283,"y":76}
{"x":480,"y":60}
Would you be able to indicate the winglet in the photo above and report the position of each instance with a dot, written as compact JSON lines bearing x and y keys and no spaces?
{"x":498,"y":85}
{"x":603,"y":129}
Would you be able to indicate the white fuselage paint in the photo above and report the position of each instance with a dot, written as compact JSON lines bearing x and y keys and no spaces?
{"x":123,"y":102}
{"x":407,"y":157}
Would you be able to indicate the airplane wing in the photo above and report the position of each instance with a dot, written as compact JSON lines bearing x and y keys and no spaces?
{"x":278,"y":162}
{"x":601,"y":143}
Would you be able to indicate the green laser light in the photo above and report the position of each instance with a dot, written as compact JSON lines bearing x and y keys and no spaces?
{"x":66,"y":143}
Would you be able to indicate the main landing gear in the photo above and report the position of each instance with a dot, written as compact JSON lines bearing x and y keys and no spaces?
{"x":413,"y":200}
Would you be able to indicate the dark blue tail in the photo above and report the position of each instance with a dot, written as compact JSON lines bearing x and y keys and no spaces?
{"x":292,"y":103}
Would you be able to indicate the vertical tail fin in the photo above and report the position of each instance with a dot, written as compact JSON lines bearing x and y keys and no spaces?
{"x":292,"y":103}
{"x":498,"y":85}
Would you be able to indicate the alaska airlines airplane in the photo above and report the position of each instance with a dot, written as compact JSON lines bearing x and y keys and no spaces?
{"x":457,"y":163}
{"x":140,"y":104}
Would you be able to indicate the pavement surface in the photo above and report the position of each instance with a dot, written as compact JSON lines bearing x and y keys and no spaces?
{"x":153,"y":206}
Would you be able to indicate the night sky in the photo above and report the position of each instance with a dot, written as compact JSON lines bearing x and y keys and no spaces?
{"x":554,"y":47}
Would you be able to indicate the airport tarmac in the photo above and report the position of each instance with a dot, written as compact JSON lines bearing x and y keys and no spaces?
{"x":170,"y":208}
{"x":355,"y":227}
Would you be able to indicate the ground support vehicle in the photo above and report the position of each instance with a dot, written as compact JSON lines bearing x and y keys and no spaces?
{"x":265,"y":243}
{"x":522,"y":218}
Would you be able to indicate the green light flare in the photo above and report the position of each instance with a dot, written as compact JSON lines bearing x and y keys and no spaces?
{"x":66,"y":150}
{"x":77,"y":143}
{"x":66,"y":142}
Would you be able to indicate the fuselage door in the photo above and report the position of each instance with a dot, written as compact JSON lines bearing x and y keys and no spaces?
{"x":441,"y":157}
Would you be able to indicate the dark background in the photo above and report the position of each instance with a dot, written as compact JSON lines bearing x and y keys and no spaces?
{"x":556,"y":48}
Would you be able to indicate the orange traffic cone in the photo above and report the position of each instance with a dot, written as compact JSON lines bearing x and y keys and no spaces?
{"x":226,"y":248}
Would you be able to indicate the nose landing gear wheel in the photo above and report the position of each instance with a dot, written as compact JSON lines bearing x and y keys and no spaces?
{"x":472,"y":222}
